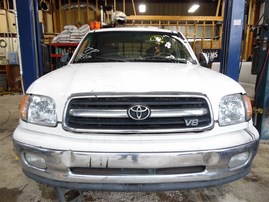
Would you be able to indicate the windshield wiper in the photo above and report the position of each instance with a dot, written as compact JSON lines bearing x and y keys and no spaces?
{"x":87,"y":53}
{"x":100,"y":59}
{"x":107,"y":59}
{"x":157,"y":58}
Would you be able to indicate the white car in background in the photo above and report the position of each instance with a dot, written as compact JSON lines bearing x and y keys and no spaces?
{"x":134,"y":111}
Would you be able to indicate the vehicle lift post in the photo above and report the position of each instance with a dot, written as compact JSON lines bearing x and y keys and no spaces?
{"x":29,"y":35}
{"x":260,"y":66}
{"x":232,"y":38}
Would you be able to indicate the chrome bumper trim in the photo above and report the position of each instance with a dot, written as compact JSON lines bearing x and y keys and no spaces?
{"x":215,"y":161}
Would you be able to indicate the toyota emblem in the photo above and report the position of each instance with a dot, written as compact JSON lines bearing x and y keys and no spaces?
{"x":138,"y":112}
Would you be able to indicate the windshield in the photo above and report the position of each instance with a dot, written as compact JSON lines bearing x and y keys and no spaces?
{"x":127,"y":46}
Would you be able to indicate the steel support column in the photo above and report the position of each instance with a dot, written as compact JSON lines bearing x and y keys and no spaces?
{"x":232,"y":37}
{"x":30,"y":45}
{"x":261,"y":67}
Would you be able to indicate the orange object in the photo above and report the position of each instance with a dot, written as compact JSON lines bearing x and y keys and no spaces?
{"x":95,"y":25}
{"x":248,"y":107}
{"x":23,"y":106}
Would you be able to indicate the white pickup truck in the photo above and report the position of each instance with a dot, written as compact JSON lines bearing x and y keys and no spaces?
{"x":134,"y":111}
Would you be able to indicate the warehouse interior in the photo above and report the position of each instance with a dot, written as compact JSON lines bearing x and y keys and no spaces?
{"x":35,"y":35}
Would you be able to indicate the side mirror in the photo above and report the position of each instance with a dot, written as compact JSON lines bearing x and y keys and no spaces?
{"x":203,"y":59}
{"x":64,"y":59}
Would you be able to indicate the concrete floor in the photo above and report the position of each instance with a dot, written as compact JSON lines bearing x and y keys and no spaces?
{"x":14,"y":186}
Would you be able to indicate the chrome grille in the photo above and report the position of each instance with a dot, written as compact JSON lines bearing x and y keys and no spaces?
{"x":169,"y":113}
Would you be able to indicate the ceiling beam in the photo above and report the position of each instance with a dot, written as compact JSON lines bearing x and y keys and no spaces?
{"x":175,"y":18}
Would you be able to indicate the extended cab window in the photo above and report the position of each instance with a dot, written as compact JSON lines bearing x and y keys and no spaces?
{"x":132,"y":47}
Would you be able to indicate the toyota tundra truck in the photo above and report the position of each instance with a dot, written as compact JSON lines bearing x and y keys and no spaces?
{"x":133,"y":110}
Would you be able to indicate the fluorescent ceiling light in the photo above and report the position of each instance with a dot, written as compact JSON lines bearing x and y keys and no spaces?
{"x":142,"y":8}
{"x":193,"y":8}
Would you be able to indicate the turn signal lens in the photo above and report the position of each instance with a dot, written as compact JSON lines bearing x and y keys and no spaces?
{"x":24,"y":107}
{"x":248,"y":107}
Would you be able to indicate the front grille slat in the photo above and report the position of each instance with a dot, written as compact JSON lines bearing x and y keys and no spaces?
{"x":182,"y":113}
{"x":121,"y":113}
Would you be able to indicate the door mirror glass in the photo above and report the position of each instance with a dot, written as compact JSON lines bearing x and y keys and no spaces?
{"x":203,"y":59}
{"x":64,"y":59}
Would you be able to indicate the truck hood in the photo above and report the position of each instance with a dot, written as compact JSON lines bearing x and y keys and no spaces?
{"x":133,"y":77}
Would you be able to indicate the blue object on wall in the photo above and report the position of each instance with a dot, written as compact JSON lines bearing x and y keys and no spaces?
{"x":13,"y":58}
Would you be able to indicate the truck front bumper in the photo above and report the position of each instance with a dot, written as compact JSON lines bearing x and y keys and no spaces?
{"x":135,"y":171}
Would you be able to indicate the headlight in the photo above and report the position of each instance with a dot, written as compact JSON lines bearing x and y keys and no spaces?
{"x":39,"y":110}
{"x":234,"y":109}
